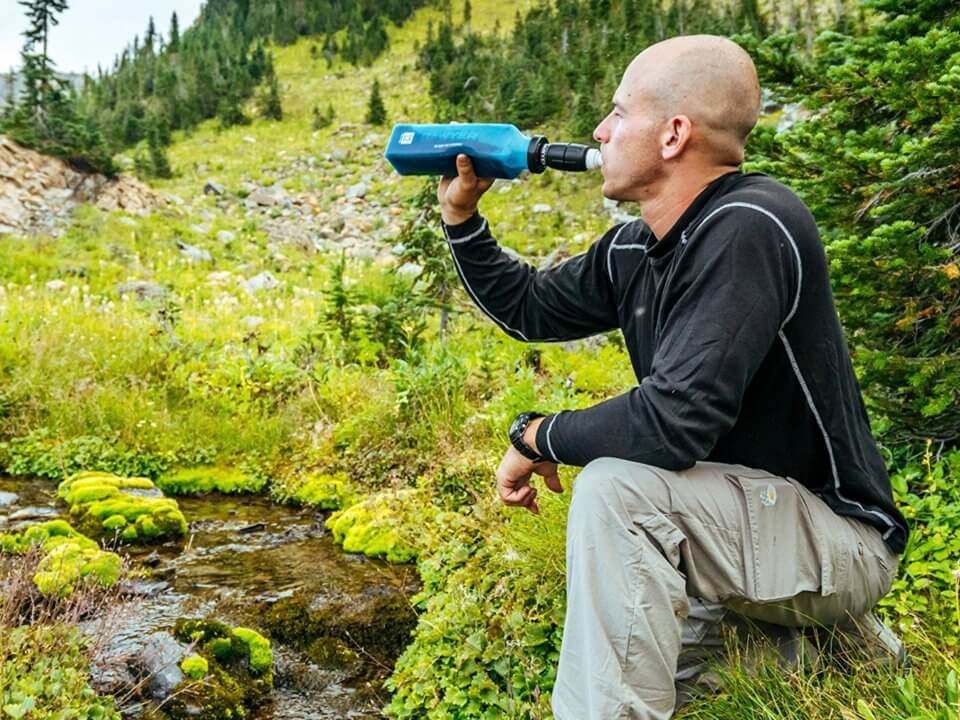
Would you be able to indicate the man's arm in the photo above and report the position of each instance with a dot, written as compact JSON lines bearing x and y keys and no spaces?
{"x":735,"y":288}
{"x":572,"y":300}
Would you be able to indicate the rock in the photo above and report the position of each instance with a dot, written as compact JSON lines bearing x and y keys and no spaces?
{"x":338,"y":154}
{"x":272,"y":196}
{"x":34,"y":513}
{"x":542,"y":208}
{"x":252,"y":322}
{"x":410,"y":269}
{"x":56,"y":285}
{"x":225,"y":236}
{"x":792,"y":114}
{"x":201,"y":228}
{"x":219,"y":277}
{"x":212,"y":188}
{"x":159,"y":663}
{"x":194,"y":253}
{"x":143,"y":588}
{"x":262,"y":281}
{"x":143,"y":289}
{"x":249,"y":139}
{"x":8,"y":498}
{"x":357,"y":191}
{"x":39,"y":192}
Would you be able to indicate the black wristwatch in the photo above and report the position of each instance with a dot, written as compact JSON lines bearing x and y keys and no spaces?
{"x":517,"y":429}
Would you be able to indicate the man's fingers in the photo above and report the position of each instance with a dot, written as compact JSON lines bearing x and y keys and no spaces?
{"x":465,"y":170}
{"x":553,"y":482}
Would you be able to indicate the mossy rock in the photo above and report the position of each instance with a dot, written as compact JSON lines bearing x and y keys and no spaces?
{"x":130,"y":510}
{"x":46,"y":535}
{"x":70,"y":564}
{"x":379,"y":622}
{"x":70,"y":558}
{"x":325,"y":492}
{"x":332,"y":653}
{"x":238,"y":671}
{"x":207,"y":479}
{"x":384,"y":525}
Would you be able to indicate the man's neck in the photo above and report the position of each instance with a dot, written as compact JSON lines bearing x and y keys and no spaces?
{"x":665,"y":206}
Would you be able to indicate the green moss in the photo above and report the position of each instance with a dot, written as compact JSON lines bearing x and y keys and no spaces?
{"x":47,"y":535}
{"x":195,"y":667}
{"x":108,"y":506}
{"x":258,"y":647}
{"x":237,"y":669}
{"x":205,"y":479}
{"x":71,"y":563}
{"x":375,"y":526}
{"x":326,"y":492}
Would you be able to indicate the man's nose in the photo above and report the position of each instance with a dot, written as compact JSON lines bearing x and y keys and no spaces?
{"x":600,"y":132}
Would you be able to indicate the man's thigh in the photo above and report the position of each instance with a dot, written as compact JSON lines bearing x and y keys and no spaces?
{"x":761,"y":544}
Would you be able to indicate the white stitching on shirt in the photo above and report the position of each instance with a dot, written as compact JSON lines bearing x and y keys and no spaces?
{"x":476,"y":298}
{"x":816,"y":415}
{"x":764,"y":211}
{"x":553,"y":455}
{"x":465,"y":238}
{"x":610,"y":249}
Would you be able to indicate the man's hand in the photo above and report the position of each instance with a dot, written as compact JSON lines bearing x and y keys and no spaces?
{"x":513,"y":479}
{"x":459,"y":195}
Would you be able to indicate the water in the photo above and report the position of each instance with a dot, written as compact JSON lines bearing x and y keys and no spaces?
{"x":244,"y":559}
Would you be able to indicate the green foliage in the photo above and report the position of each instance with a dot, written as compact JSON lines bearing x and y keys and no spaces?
{"x":323,"y":119}
{"x":925,"y":593}
{"x":40,"y":454}
{"x":876,"y":162}
{"x":271,"y":107}
{"x":43,"y":674}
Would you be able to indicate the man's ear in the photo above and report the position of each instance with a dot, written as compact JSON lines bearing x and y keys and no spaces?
{"x":675,"y":137}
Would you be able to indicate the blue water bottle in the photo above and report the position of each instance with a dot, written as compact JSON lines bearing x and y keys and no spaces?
{"x":497,"y":150}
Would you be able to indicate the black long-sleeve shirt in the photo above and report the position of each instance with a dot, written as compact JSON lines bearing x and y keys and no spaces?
{"x":733,"y":335}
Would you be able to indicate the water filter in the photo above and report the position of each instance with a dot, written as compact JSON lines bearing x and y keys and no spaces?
{"x":498,"y":150}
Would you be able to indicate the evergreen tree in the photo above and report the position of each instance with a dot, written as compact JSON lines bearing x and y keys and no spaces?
{"x":270,"y":106}
{"x":159,"y":164}
{"x":467,"y":12}
{"x":173,"y":44}
{"x":877,"y":163}
{"x":376,"y":111}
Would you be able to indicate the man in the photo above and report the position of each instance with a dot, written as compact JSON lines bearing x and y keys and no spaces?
{"x":740,"y":473}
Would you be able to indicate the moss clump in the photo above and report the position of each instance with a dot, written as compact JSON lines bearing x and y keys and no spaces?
{"x":47,"y":535}
{"x":325,"y":492}
{"x":70,"y":563}
{"x":258,"y":649}
{"x":131,"y":510}
{"x":69,"y":558}
{"x":206,"y":479}
{"x":195,"y":667}
{"x":375,"y":527}
{"x":237,"y":668}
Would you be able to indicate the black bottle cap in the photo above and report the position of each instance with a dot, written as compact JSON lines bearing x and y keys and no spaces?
{"x":535,"y":154}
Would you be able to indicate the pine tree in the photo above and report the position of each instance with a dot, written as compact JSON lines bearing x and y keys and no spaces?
{"x":467,"y":12}
{"x":271,"y":107}
{"x":159,"y":164}
{"x":173,"y":44}
{"x":376,"y":111}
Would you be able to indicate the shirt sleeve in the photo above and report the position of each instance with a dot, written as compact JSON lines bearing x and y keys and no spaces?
{"x":570,"y":301}
{"x":735,"y":286}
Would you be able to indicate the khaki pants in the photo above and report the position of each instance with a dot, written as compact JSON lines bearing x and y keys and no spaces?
{"x":642,"y":541}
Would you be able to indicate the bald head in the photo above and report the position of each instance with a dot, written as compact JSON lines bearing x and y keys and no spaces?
{"x":708,"y":78}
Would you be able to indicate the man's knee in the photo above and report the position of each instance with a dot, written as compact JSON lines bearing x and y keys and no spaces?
{"x":613,"y":485}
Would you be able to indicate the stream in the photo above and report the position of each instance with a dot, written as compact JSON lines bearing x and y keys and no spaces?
{"x":248,"y":561}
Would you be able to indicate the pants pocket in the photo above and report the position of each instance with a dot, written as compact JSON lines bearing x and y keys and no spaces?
{"x":783,"y":552}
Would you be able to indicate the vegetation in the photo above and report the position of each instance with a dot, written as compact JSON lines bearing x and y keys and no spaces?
{"x":371,"y":387}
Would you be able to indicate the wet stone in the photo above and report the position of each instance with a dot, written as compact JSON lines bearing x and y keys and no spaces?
{"x":8,"y":498}
{"x":34,"y":513}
